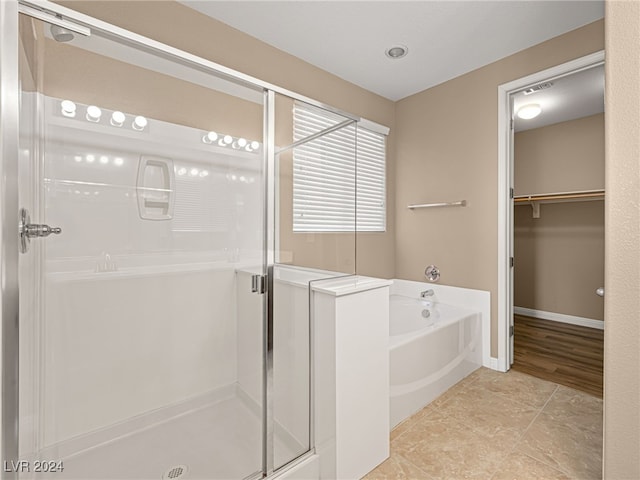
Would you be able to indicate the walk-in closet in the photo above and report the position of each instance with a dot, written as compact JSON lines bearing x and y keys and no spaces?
{"x":558,"y":220}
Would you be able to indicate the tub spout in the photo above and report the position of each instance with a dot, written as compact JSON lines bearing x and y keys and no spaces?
{"x":427,"y":293}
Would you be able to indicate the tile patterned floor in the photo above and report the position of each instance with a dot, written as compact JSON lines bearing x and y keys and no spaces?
{"x":499,"y":426}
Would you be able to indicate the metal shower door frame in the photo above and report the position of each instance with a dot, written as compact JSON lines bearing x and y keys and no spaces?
{"x":9,"y":236}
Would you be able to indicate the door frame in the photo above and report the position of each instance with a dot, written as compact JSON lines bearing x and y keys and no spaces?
{"x":505,"y":184}
{"x":9,"y":299}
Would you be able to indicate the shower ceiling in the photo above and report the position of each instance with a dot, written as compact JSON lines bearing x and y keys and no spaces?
{"x":445,"y":38}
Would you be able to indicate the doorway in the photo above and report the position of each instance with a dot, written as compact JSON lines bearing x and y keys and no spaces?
{"x":559,"y":179}
{"x":558,"y":230}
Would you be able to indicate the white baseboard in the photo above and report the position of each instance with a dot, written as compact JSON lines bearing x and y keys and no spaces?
{"x":493,"y":364}
{"x":560,"y":317}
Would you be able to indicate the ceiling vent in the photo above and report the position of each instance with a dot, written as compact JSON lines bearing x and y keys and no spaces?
{"x":537,"y":88}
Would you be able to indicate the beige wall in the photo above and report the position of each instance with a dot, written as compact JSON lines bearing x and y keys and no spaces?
{"x":27,"y":54}
{"x":559,"y":257}
{"x":175,"y":24}
{"x":563,"y":157}
{"x":447,"y":149}
{"x":622,"y":254}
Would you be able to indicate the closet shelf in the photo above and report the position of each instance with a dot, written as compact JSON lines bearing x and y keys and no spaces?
{"x":537,"y":199}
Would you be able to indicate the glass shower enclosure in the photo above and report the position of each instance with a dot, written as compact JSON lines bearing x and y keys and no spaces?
{"x":159,"y":325}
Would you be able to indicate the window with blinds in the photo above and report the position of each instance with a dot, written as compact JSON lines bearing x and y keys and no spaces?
{"x":338,"y":178}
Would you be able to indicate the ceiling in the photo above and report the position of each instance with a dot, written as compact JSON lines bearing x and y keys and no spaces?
{"x":573,"y":96}
{"x":445,"y":38}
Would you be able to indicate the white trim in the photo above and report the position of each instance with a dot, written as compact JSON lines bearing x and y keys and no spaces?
{"x":306,"y":466}
{"x":60,"y":22}
{"x":493,"y":364}
{"x":373,"y":126}
{"x":560,"y":317}
{"x":487,"y":359}
{"x":505,"y":168}
{"x":504,"y":181}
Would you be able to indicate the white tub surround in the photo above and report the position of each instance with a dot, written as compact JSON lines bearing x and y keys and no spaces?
{"x":435,"y":341}
{"x":350,"y":322}
{"x":478,"y":300}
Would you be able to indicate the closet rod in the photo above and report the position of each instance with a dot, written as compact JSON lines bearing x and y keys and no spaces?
{"x":587,"y":194}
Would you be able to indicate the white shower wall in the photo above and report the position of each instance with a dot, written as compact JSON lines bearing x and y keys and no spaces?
{"x":92,"y":187}
{"x":120,"y":345}
{"x":138,"y":314}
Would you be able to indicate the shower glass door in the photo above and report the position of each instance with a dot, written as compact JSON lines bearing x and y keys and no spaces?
{"x":141,"y":342}
{"x":315,"y":239}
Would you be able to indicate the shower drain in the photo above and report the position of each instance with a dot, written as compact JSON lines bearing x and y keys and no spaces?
{"x":177,"y":471}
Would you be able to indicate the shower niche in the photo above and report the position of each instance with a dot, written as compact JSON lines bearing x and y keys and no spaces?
{"x":155,"y":187}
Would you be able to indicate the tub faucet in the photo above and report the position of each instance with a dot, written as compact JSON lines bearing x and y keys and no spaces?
{"x":427,"y":293}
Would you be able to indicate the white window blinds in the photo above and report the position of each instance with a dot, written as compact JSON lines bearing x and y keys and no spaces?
{"x":370,"y":181}
{"x":338,"y":178}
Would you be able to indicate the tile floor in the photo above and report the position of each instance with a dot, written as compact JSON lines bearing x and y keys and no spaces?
{"x":499,"y":426}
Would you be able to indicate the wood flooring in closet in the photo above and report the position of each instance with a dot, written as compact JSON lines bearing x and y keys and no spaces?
{"x":567,"y":354}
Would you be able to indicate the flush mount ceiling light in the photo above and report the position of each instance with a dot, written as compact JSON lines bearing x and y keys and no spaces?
{"x":529,"y":111}
{"x":397,"y":51}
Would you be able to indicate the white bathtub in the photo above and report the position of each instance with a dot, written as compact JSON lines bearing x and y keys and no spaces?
{"x":431,"y":352}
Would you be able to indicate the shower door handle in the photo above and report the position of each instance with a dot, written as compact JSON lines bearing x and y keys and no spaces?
{"x":30,"y":230}
{"x":37,"y":230}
